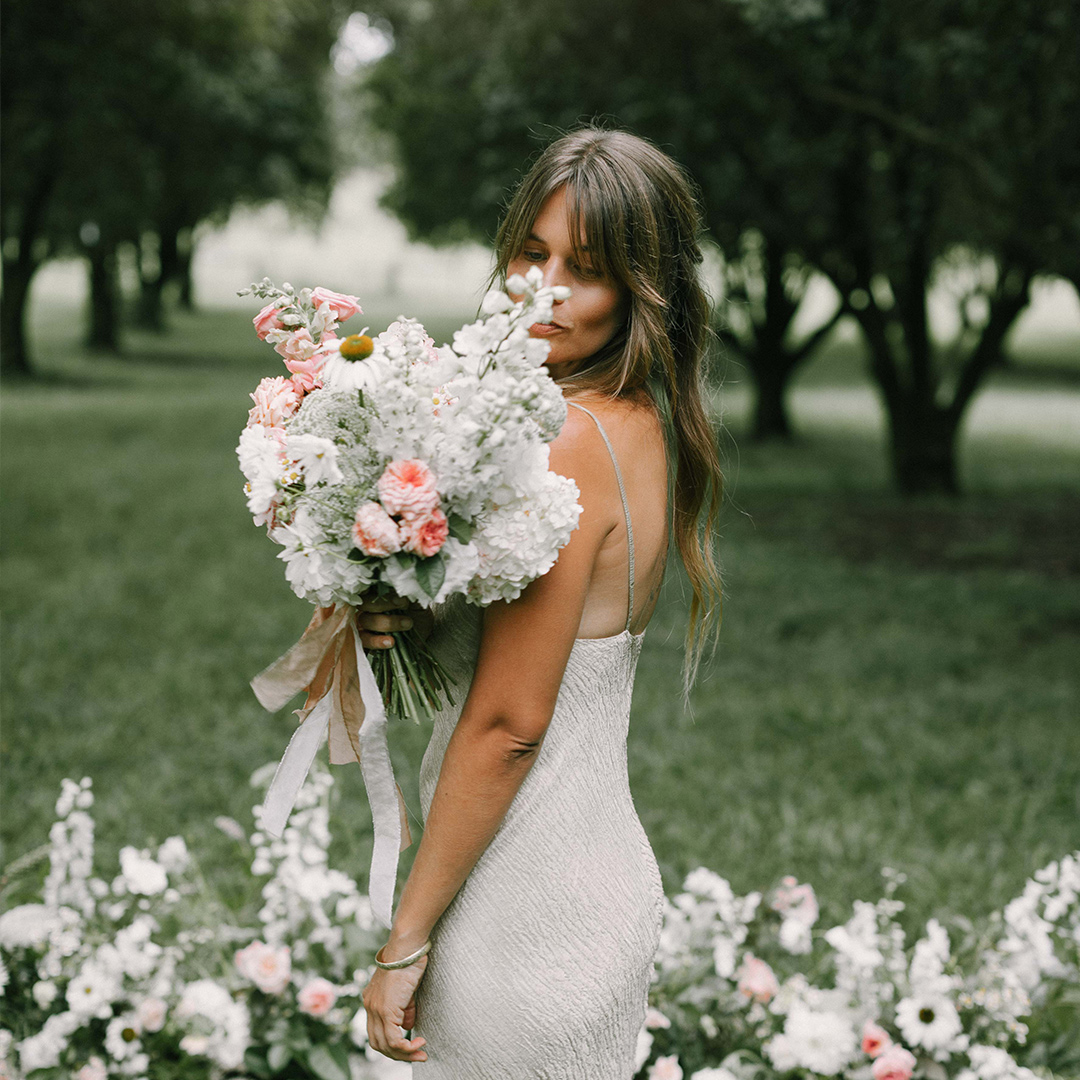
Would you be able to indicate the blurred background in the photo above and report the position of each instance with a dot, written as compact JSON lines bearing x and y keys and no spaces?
{"x":892,"y":198}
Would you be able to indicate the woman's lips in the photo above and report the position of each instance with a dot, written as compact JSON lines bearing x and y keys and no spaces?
{"x":544,"y":328}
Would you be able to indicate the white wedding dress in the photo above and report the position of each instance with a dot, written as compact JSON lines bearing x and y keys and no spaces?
{"x":540,"y":966}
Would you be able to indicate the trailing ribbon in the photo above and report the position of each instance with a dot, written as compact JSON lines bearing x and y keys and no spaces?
{"x":343,"y":699}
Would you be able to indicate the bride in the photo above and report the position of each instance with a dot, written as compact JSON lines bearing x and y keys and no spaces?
{"x":523,"y":942}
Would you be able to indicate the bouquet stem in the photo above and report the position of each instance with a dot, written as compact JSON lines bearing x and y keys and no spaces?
{"x":413,"y":683}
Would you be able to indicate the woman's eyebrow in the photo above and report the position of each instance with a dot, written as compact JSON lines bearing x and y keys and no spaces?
{"x":533,"y":236}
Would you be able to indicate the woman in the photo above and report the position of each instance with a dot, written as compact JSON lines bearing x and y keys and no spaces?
{"x":534,"y":886}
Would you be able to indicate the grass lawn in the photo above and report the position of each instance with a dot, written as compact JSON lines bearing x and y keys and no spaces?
{"x":896,"y":681}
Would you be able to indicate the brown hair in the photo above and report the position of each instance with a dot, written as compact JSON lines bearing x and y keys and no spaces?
{"x":642,"y":226}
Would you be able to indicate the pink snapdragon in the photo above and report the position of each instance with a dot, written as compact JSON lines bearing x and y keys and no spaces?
{"x":267,"y":320}
{"x":426,"y":535}
{"x":268,"y":968}
{"x":894,"y":1063}
{"x":756,"y":979}
{"x":875,"y":1039}
{"x":343,"y":306}
{"x":407,"y":487}
{"x":276,"y":400}
{"x":317,"y":998}
{"x":374,"y":531}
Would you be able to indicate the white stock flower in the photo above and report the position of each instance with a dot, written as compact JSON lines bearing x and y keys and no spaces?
{"x":44,"y":993}
{"x":142,"y":874}
{"x":43,"y":1050}
{"x":173,"y":854}
{"x":822,"y":1041}
{"x":993,"y":1063}
{"x":27,"y":925}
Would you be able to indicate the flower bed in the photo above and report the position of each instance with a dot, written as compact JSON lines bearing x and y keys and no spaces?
{"x":147,"y":975}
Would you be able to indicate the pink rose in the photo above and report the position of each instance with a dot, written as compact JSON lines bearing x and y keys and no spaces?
{"x":426,"y":535}
{"x":275,"y":400}
{"x":267,"y":320}
{"x":756,"y":979}
{"x":268,"y":968}
{"x":874,"y":1038}
{"x":895,"y":1063}
{"x":317,"y":997}
{"x":150,"y":1014}
{"x":343,"y":305}
{"x":374,"y":531}
{"x":407,"y":487}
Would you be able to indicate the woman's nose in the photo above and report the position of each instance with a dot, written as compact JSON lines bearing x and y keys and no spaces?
{"x":556,"y":272}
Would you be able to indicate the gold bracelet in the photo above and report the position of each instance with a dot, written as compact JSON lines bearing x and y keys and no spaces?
{"x":405,"y":961}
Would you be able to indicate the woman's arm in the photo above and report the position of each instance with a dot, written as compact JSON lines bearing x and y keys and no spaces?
{"x":524,"y":649}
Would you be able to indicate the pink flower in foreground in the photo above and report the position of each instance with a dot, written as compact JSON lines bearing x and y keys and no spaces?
{"x":306,"y":372}
{"x":317,"y":998}
{"x":796,"y":901}
{"x":343,"y":305}
{"x":895,"y":1063}
{"x":374,"y":531}
{"x":874,"y":1038}
{"x":275,"y":400}
{"x":756,"y":979}
{"x":654,"y":1018}
{"x":268,"y":968}
{"x":666,"y":1068}
{"x":426,"y":535}
{"x":267,"y":320}
{"x":407,"y":487}
{"x":296,"y":345}
{"x":150,"y":1014}
{"x":94,"y":1069}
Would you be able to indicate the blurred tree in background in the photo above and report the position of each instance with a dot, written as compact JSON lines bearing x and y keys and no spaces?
{"x":874,"y":141}
{"x":131,"y":123}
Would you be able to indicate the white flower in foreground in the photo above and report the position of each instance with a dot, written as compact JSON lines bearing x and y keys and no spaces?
{"x":44,"y":993}
{"x":92,"y":991}
{"x":268,"y":968}
{"x":27,"y":925}
{"x":358,"y":1027}
{"x":173,"y":854}
{"x":43,"y":1050}
{"x":666,"y":1068}
{"x":142,"y":874}
{"x":94,"y":1069}
{"x":993,"y":1063}
{"x":930,"y":1020}
{"x":316,"y":458}
{"x":654,"y":1018}
{"x":231,"y":1034}
{"x":150,"y":1013}
{"x":122,"y":1038}
{"x":643,"y":1048}
{"x":717,"y":1073}
{"x":823,"y":1042}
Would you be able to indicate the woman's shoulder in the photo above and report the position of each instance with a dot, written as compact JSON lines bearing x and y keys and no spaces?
{"x":630,"y":419}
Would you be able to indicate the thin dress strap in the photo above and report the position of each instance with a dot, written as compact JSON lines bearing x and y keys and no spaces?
{"x":625,"y":506}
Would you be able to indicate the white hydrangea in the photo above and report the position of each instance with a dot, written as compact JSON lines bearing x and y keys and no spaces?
{"x":27,"y":925}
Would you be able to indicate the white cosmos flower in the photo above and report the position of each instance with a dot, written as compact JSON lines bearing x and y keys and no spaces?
{"x":92,"y":991}
{"x":122,"y":1037}
{"x":316,"y":458}
{"x":930,"y":1020}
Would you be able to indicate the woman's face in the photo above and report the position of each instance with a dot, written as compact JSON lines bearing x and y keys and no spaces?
{"x":585,"y":322}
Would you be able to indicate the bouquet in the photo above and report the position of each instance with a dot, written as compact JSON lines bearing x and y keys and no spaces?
{"x":385,"y":465}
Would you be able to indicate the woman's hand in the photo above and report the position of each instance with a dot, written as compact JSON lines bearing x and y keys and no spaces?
{"x":390,"y":1002}
{"x":375,"y":621}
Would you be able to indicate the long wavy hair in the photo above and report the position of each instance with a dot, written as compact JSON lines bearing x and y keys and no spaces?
{"x":640,"y":217}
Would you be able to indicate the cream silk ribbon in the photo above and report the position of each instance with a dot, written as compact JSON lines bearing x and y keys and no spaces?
{"x":343,"y":698}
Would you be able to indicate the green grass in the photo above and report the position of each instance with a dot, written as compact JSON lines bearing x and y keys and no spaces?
{"x":895,"y":682}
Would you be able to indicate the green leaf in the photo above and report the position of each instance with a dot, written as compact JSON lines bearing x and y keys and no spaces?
{"x":322,"y":1063}
{"x":460,"y":529}
{"x":278,"y":1057}
{"x":255,"y":1063}
{"x":431,"y":573}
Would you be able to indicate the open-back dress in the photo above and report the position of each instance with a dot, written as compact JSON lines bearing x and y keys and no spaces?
{"x":540,"y":966}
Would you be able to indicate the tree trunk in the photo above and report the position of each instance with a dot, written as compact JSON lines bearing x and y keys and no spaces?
{"x":923,"y":448}
{"x":103,"y":330}
{"x":14,"y":355}
{"x":771,"y":419}
{"x":183,"y":272}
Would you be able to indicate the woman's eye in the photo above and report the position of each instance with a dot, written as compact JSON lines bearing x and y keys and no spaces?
{"x":533,"y":256}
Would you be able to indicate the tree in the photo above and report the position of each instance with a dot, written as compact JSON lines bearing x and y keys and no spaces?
{"x":198,"y":107}
{"x":471,"y":89}
{"x":864,"y":139}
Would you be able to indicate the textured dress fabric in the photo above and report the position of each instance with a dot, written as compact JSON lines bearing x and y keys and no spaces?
{"x":540,"y":966}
